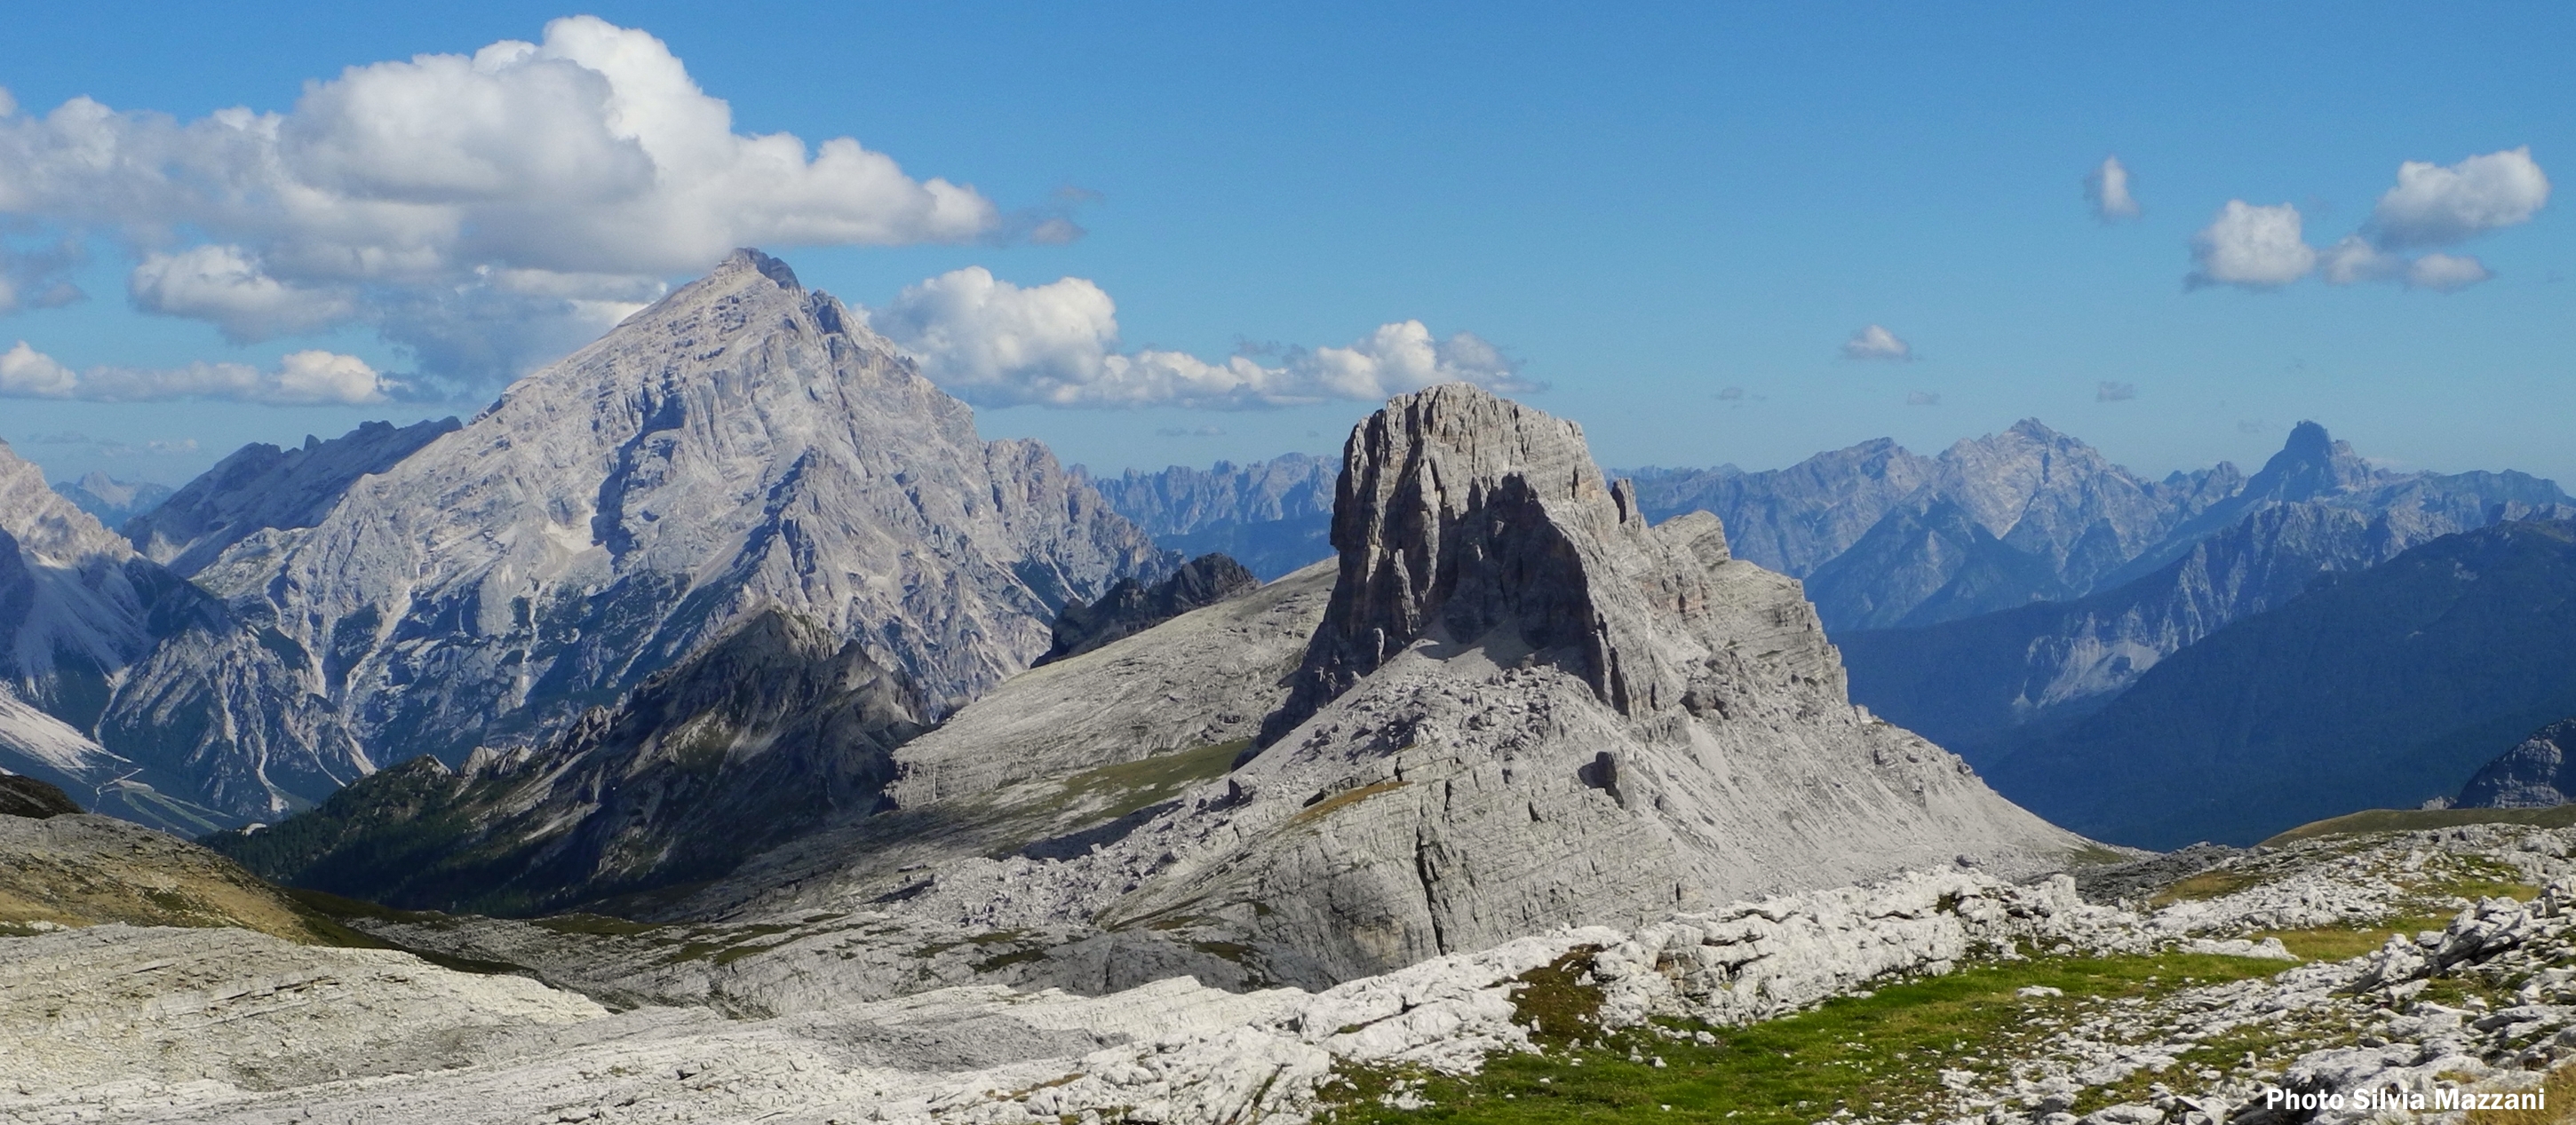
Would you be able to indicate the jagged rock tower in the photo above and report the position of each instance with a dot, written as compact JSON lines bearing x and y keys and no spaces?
{"x":1527,"y":707}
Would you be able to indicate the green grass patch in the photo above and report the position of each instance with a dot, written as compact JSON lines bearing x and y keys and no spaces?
{"x":1008,"y":959}
{"x":1344,"y":799}
{"x":2337,"y":943}
{"x":1129,"y":786}
{"x":2097,"y":855}
{"x":2206,"y":885}
{"x":2561,"y":1093}
{"x":1878,"y":1055}
{"x":595,"y":924}
{"x":2417,"y":820}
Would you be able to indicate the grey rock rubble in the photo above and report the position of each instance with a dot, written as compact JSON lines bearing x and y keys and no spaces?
{"x":224,"y":1026}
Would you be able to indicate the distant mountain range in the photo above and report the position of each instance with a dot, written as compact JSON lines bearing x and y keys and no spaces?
{"x":2373,"y":689}
{"x":1272,"y":516}
{"x":1884,"y":537}
{"x":2314,"y":508}
{"x":113,"y":501}
{"x":296,"y":618}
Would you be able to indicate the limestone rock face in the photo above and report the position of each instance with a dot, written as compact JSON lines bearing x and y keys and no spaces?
{"x":2533,"y":774}
{"x":262,"y":487}
{"x":72,"y":610}
{"x":1131,"y":607}
{"x":80,"y":614}
{"x":742,"y":445}
{"x":1522,"y":707}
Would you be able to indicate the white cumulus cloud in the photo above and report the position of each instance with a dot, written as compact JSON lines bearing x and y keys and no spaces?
{"x":994,"y":343}
{"x":406,"y":194}
{"x":1874,"y":342}
{"x":2250,"y":246}
{"x":305,"y":378}
{"x":2432,"y":205}
{"x":2107,"y":188}
{"x":2437,"y":206}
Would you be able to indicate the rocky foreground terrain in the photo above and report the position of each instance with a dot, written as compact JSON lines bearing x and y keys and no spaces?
{"x":2182,"y":989}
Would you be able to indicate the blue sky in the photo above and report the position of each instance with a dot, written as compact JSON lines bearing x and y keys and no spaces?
{"x":1672,"y":218}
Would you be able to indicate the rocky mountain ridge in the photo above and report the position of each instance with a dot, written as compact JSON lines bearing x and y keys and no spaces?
{"x":1130,"y":608}
{"x":742,"y":446}
{"x":1272,"y":516}
{"x":261,"y":487}
{"x":111,"y":500}
{"x":2375,"y":689}
{"x":1888,"y":539}
{"x":1884,"y":536}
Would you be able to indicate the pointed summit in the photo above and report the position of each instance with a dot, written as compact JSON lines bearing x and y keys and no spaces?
{"x":1526,"y":707}
{"x":2310,"y":466}
{"x":742,"y":445}
{"x":751,"y":259}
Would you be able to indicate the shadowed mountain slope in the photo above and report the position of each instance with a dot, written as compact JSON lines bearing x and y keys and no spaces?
{"x":2313,"y":509}
{"x":763,"y":735}
{"x":2371,"y":690}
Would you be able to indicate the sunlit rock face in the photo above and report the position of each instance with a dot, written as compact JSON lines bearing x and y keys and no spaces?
{"x":744,"y":445}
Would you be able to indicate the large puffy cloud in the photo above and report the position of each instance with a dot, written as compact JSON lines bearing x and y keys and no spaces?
{"x":530,"y":187}
{"x":2261,"y":247}
{"x":994,"y":343}
{"x":2437,"y":206}
{"x":306,"y":378}
{"x":2250,"y":246}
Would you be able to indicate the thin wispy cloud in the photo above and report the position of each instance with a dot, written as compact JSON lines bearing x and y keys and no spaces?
{"x":1923,"y":398}
{"x":994,"y":343}
{"x":2108,"y":391}
{"x":2107,"y":189}
{"x":1876,"y":342}
{"x":306,"y":378}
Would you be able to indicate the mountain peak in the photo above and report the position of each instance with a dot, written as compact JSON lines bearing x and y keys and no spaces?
{"x":753,"y":260}
{"x":2311,"y":464}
